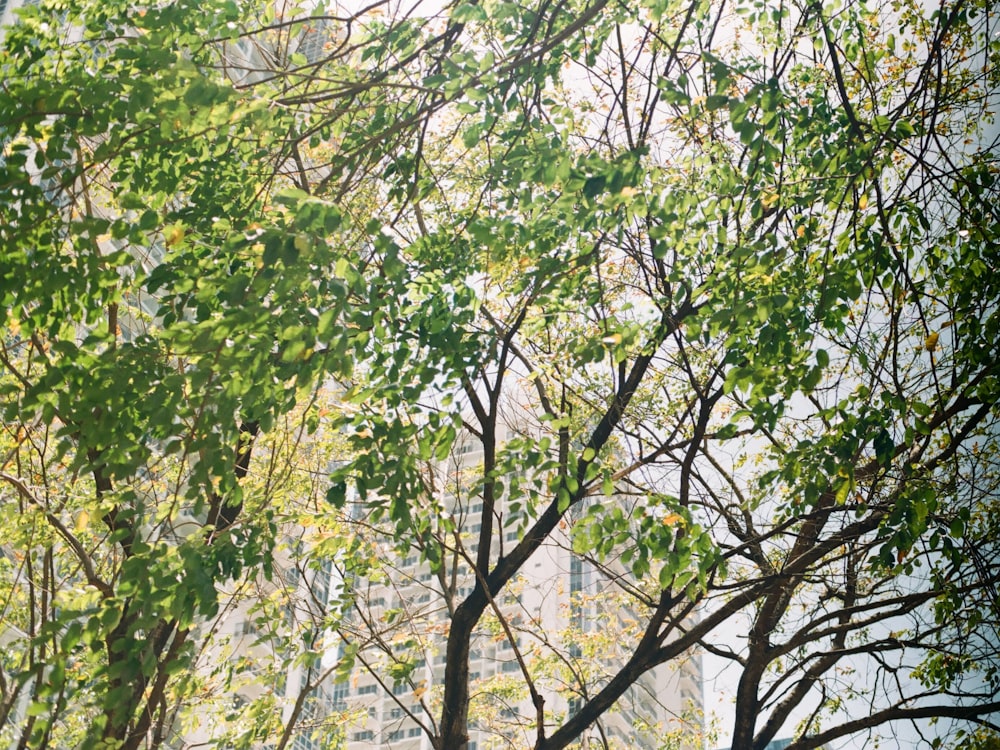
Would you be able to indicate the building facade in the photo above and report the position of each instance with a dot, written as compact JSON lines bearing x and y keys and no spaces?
{"x":564,"y":624}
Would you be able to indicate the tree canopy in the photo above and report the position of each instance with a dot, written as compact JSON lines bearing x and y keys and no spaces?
{"x":711,"y":288}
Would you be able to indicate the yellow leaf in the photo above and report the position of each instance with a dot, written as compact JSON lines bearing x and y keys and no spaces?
{"x":930,"y":343}
{"x":801,"y":232}
{"x":82,"y":520}
{"x":629,"y":192}
{"x":671,"y":519}
{"x":174,"y":235}
{"x":863,"y":202}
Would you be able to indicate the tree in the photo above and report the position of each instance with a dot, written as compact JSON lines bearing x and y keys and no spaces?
{"x":712,"y":289}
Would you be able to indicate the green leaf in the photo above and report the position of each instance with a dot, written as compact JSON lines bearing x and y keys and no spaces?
{"x":468,"y":13}
{"x":472,"y":135}
{"x":594,"y":186}
{"x":844,"y":489}
{"x":716,"y":101}
{"x":336,"y":494}
{"x":665,"y":577}
{"x":608,"y":485}
{"x":563,"y":499}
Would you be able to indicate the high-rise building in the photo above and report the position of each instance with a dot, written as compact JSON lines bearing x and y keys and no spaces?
{"x":7,"y":8}
{"x":565,"y":625}
{"x":249,"y":659}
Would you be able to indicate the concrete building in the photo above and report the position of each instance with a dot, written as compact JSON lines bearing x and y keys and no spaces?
{"x":571,"y":631}
{"x":7,"y":8}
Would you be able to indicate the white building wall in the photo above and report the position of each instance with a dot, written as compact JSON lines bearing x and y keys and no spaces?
{"x":551,"y":592}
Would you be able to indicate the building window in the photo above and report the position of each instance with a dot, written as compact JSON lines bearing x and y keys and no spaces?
{"x":575,"y":575}
{"x":413,"y":732}
{"x":338,"y":696}
{"x":575,"y":704}
{"x":396,"y":735}
{"x":367,"y":689}
{"x":321,"y":581}
{"x":366,"y":735}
